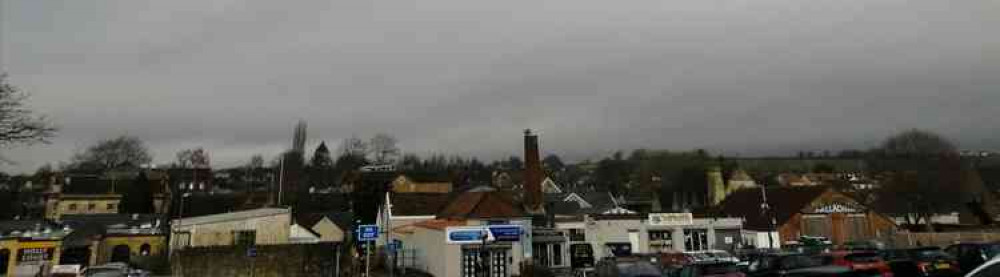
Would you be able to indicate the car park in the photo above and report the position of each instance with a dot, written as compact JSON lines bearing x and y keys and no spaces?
{"x":988,"y":269}
{"x":922,"y":262}
{"x":793,"y":264}
{"x":707,"y":269}
{"x":865,"y":263}
{"x":972,"y":255}
{"x":627,"y":267}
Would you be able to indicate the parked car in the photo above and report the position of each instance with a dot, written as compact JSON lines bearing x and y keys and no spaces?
{"x":708,"y":269}
{"x":114,"y":270}
{"x":922,"y":262}
{"x":988,"y":269}
{"x":972,"y":255}
{"x":627,"y":267}
{"x":105,"y":271}
{"x":713,"y":256}
{"x":794,"y":264}
{"x":866,"y":263}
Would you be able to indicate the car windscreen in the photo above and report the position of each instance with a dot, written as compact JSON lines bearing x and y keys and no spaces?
{"x":638,"y":269}
{"x":721,"y":268}
{"x":800,"y":261}
{"x":993,"y":250}
{"x":929,"y":254}
{"x":863,"y":257}
{"x":103,"y":272}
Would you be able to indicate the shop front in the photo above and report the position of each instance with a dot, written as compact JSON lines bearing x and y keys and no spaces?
{"x":26,"y":257}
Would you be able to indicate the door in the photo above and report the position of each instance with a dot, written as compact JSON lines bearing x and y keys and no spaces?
{"x":492,"y":263}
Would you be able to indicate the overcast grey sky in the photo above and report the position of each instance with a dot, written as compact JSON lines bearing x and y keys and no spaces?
{"x":464,"y":77}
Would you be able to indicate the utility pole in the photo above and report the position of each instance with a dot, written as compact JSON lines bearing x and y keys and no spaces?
{"x":281,"y":179}
{"x":766,"y":209}
{"x":387,"y":216}
{"x":368,"y":258}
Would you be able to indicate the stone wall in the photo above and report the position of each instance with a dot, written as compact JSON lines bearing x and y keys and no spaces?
{"x":293,"y":260}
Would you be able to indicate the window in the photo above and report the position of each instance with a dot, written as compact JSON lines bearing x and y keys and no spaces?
{"x":557,"y":255}
{"x":577,"y":235}
{"x":145,"y":249}
{"x":91,"y":207}
{"x":660,"y":241}
{"x":111,"y":206}
{"x":72,"y":207}
{"x":244,"y":237}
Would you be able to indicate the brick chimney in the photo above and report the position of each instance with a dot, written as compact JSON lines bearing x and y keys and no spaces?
{"x":532,"y":175}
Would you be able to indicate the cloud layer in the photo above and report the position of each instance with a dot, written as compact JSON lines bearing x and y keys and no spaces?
{"x":465,"y":77}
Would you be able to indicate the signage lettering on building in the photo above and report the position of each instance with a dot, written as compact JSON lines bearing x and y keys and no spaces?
{"x":671,"y":219}
{"x":836,"y":208}
{"x":476,"y":234}
{"x":26,"y":255}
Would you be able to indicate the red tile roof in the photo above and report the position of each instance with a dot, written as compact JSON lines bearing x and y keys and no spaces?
{"x":439,"y":224}
{"x":482,"y":204}
{"x":784,"y":201}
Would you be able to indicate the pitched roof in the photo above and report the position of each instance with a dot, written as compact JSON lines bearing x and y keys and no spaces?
{"x":740,"y":175}
{"x":484,"y":204}
{"x":567,"y":203}
{"x":439,"y":224}
{"x":413,"y":204}
{"x":785,"y":202}
{"x":229,"y":216}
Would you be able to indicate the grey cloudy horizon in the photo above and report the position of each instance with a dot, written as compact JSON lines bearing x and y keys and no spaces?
{"x":742,"y":77}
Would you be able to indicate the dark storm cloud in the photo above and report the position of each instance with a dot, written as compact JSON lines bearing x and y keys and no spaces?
{"x":464,"y":77}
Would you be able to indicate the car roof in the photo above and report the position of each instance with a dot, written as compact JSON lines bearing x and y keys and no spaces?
{"x":990,"y":263}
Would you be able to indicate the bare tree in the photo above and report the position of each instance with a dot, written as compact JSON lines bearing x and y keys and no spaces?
{"x":17,"y":123}
{"x":384,"y":148}
{"x":193,"y":158}
{"x":353,"y":146}
{"x":122,"y":151}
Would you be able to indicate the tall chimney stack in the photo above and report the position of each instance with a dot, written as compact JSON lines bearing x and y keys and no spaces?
{"x":532,"y":175}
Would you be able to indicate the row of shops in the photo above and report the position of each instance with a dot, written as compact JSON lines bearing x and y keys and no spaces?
{"x":30,"y":247}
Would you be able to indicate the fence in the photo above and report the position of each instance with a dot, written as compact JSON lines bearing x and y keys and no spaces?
{"x":908,"y":239}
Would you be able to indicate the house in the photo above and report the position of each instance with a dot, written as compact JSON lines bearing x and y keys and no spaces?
{"x":444,"y":250}
{"x":404,"y":209}
{"x":328,"y":227}
{"x":421,"y":184}
{"x":251,"y":227}
{"x":815,"y":211}
{"x":100,"y":194}
{"x":739,"y":179}
{"x":583,"y":203}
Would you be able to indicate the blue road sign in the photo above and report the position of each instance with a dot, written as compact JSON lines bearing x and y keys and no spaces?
{"x":367,"y":232}
{"x":252,"y":252}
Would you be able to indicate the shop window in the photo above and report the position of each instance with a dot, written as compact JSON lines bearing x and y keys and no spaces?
{"x":661,"y":241}
{"x":619,"y":249}
{"x":72,"y":207}
{"x":695,"y":240}
{"x":244,"y":237}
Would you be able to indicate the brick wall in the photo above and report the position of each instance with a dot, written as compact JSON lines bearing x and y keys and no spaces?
{"x":294,"y":260}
